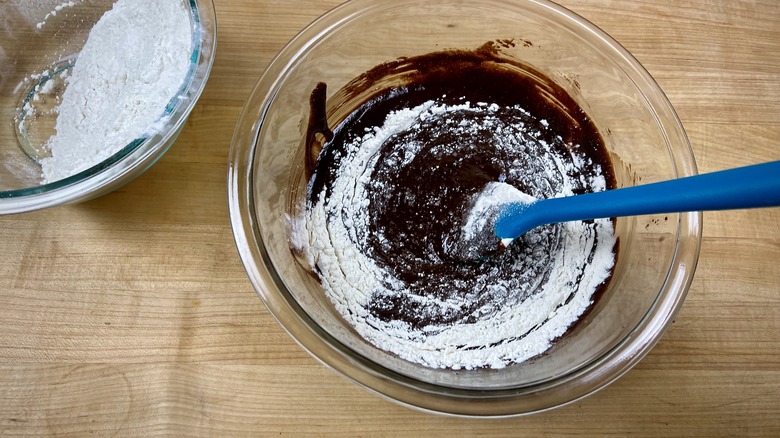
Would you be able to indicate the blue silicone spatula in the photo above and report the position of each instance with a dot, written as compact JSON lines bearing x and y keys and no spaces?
{"x":744,"y":187}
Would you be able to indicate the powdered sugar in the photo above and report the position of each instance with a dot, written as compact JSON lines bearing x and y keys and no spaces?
{"x":498,"y":319}
{"x":132,"y":65}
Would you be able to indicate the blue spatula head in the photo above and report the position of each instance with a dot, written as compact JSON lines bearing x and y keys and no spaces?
{"x":478,"y":238}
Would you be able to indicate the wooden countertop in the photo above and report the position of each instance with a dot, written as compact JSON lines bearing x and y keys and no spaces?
{"x":131,"y":315}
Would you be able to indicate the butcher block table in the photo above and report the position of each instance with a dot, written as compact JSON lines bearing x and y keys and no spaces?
{"x":131,"y":315}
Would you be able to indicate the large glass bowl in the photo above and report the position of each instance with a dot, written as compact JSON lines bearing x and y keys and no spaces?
{"x":644,"y":137}
{"x":39,"y":41}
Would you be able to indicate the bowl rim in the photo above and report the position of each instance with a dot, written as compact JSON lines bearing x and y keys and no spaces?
{"x":404,"y":390}
{"x":141,"y":153}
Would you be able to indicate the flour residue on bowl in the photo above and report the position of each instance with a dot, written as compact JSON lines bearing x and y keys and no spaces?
{"x":133,"y":64}
{"x":53,"y":13}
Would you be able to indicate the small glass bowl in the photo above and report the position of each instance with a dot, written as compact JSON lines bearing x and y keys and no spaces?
{"x":644,"y":137}
{"x":40,"y":42}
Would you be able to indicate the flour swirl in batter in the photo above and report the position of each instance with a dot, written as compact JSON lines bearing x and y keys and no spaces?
{"x":390,"y":192}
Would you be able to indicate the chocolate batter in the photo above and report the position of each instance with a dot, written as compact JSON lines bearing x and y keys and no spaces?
{"x":503,"y":121}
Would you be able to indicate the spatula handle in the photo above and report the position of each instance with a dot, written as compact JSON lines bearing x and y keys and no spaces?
{"x":744,"y":187}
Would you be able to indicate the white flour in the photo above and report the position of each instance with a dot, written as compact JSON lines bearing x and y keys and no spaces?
{"x":487,"y":205}
{"x":500,"y":333}
{"x":54,"y":11}
{"x":133,"y":63}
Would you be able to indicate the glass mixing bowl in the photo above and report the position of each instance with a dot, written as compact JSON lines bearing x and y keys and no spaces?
{"x":39,"y":44}
{"x":644,"y":137}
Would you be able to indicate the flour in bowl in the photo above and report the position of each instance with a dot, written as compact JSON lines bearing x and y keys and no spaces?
{"x":133,"y":64}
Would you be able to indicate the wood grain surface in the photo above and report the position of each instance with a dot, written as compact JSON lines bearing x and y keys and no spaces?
{"x":131,"y":315}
